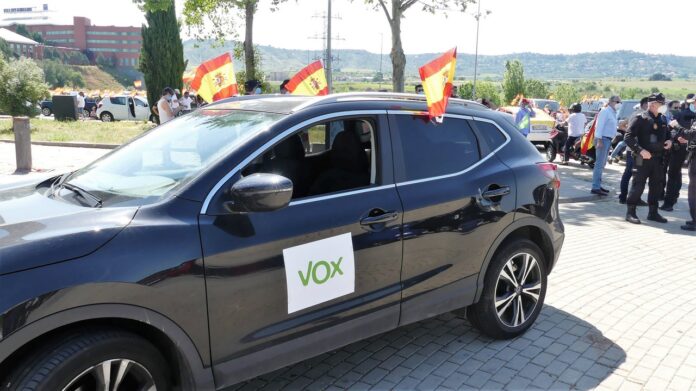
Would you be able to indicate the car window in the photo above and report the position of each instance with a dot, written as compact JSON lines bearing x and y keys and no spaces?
{"x":140,"y":103}
{"x":425,"y":149}
{"x":490,"y":134}
{"x":324,"y":158}
{"x":171,"y":154}
{"x":118,"y":100}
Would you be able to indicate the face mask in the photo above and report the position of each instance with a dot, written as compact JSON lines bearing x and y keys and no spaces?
{"x":692,"y":108}
{"x":674,"y":112}
{"x":169,"y":98}
{"x":662,"y":110}
{"x":257,"y":91}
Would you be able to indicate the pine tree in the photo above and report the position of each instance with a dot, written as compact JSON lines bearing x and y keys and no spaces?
{"x":162,"y":55}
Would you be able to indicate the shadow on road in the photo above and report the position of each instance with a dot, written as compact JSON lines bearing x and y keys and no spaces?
{"x":560,"y":351}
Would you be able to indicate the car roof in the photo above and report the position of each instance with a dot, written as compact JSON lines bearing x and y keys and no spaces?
{"x":288,"y":104}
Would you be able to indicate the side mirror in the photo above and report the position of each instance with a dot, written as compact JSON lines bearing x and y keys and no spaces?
{"x":259,"y":193}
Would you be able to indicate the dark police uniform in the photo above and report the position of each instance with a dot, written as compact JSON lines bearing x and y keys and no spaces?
{"x":690,"y":135}
{"x":676,"y":160}
{"x":647,"y":132}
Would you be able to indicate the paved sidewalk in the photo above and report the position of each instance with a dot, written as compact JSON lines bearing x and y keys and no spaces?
{"x":619,"y":315}
{"x":58,"y":159}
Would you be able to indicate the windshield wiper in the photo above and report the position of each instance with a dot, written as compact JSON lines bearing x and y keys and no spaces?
{"x":83,"y":193}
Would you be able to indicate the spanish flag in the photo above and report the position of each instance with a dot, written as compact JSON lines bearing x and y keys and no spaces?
{"x":437,"y":77}
{"x":588,"y":138}
{"x":311,"y":80}
{"x":215,"y":79}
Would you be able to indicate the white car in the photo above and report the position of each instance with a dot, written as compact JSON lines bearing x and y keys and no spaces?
{"x":123,"y":107}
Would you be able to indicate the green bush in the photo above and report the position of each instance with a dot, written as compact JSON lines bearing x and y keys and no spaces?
{"x":25,"y":82}
{"x":61,"y":75}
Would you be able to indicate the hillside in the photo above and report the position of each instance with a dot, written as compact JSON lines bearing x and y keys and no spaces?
{"x":97,"y":79}
{"x":618,"y":64}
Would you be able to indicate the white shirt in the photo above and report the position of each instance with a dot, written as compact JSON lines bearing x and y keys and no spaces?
{"x":162,"y":106}
{"x":606,"y":123}
{"x":576,"y":124}
{"x":80,"y":101}
{"x":175,"y":102}
{"x":186,"y":102}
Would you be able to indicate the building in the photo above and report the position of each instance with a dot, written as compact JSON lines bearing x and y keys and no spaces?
{"x":21,"y":45}
{"x":115,"y":44}
{"x":24,"y":13}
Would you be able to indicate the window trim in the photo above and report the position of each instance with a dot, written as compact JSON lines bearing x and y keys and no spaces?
{"x":455,"y":174}
{"x":259,"y":151}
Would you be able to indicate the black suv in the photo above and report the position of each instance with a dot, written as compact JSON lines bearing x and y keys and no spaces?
{"x":264,"y":230}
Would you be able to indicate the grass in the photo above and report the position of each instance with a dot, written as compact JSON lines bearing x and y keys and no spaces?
{"x":79,"y":131}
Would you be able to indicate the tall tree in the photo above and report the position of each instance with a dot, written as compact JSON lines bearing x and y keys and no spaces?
{"x":394,"y":11}
{"x":216,"y":19}
{"x":5,"y":51}
{"x":162,"y":55}
{"x":513,"y":80}
{"x":535,"y":89}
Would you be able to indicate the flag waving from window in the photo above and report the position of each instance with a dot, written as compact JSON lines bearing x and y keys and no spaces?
{"x":437,"y":77}
{"x":311,"y":80}
{"x":215,"y":79}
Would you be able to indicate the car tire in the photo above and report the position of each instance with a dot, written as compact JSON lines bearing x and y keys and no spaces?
{"x":106,"y":117}
{"x":551,"y":152}
{"x":46,"y":112}
{"x":497,"y":313}
{"x":86,"y":357}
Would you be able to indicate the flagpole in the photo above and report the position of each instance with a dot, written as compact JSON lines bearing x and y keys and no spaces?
{"x":328,"y":50}
{"x":478,"y":19}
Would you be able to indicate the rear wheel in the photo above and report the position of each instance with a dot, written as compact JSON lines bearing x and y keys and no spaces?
{"x":46,"y":111}
{"x":106,"y":117}
{"x":513,"y":292}
{"x":93,"y":360}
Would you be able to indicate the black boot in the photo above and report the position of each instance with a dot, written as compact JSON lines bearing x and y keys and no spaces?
{"x":654,"y":216}
{"x":631,"y":215}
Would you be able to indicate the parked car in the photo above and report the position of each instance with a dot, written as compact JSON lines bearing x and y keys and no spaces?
{"x":542,"y":128}
{"x":47,"y":106}
{"x":220,"y":246}
{"x":541,"y":103}
{"x":122,"y":108}
{"x":626,"y":109}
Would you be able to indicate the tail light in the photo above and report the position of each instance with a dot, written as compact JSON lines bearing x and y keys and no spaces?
{"x":550,"y":171}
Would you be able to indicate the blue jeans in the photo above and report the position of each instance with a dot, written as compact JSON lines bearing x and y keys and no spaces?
{"x":600,"y":162}
{"x":626,"y":177}
{"x":619,"y":148}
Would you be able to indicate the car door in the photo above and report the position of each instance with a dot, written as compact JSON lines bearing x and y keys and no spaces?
{"x":262,"y":268}
{"x":457,"y":197}
{"x":142,"y":111}
{"x":118,"y":108}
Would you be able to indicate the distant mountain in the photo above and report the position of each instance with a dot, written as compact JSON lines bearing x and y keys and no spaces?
{"x":618,"y":64}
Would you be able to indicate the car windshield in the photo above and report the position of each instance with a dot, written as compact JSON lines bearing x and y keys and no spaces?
{"x":170,"y":155}
{"x":553,"y":105}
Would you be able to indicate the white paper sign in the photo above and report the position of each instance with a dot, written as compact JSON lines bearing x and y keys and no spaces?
{"x":319,"y":271}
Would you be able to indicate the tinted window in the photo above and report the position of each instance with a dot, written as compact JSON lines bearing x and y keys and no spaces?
{"x":490,"y":135}
{"x":119,"y":100}
{"x":429,"y":150}
{"x":140,"y":103}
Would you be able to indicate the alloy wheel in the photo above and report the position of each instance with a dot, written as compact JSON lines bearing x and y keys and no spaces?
{"x":517,"y":289}
{"x":113,"y":375}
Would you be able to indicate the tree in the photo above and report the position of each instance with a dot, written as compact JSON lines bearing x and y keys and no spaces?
{"x":660,"y":77}
{"x":5,"y":51}
{"x":61,"y":75}
{"x":535,"y":89}
{"x":484,"y":90}
{"x":513,"y":80}
{"x":394,"y":11}
{"x":162,"y":55}
{"x":566,"y":94}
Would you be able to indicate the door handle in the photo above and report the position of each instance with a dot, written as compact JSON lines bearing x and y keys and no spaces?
{"x":499,"y":192}
{"x":380,"y":219}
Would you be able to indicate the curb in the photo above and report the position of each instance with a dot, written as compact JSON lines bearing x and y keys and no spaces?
{"x":69,"y":144}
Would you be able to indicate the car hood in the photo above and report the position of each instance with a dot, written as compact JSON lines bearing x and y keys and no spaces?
{"x":36,"y":230}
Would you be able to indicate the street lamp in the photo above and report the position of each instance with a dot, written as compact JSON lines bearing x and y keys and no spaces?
{"x":478,"y":20}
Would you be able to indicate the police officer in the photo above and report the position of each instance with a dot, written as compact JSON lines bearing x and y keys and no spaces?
{"x":687,"y":139}
{"x":648,"y":136}
{"x":677,"y":156}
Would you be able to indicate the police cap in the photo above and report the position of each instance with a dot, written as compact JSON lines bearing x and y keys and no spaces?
{"x":657,"y":97}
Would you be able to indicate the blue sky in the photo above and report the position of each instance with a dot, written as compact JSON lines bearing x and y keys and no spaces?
{"x":543,"y":26}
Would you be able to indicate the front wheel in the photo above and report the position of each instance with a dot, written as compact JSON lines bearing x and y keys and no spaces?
{"x":513,"y":292}
{"x":551,"y":152}
{"x":93,"y":360}
{"x":46,"y":112}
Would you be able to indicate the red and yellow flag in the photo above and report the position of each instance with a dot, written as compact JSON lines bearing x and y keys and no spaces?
{"x":215,"y":79}
{"x":311,"y":80}
{"x":588,"y":138}
{"x":437,"y":77}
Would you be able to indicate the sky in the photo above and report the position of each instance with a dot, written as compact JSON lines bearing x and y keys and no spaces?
{"x":513,"y":26}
